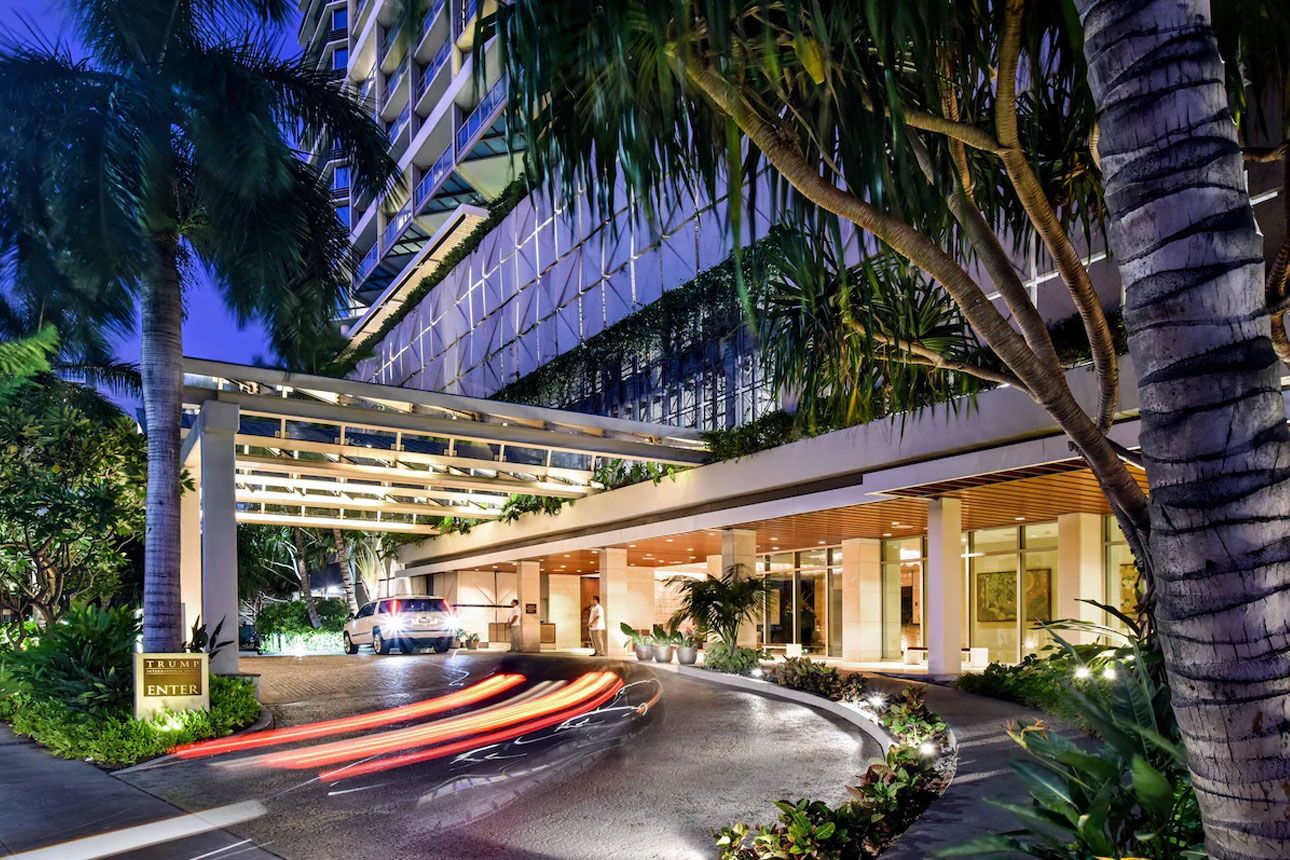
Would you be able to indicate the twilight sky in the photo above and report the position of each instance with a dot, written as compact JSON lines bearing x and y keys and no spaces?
{"x":209,"y":330}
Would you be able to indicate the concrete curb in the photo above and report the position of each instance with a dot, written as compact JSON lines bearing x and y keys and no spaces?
{"x":262,"y":723}
{"x":767,"y":688}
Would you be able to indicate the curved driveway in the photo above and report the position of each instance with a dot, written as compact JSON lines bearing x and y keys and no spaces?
{"x":619,"y":785}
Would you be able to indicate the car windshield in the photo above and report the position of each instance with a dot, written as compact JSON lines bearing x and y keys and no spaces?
{"x":421,"y":604}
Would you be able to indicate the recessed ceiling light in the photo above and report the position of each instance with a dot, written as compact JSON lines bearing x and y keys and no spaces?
{"x":669,"y":540}
{"x":820,"y":541}
{"x":566,"y":555}
{"x":774,"y":547}
{"x":632,"y":545}
{"x":689,"y":549}
{"x":1019,"y":519}
{"x":886,"y":534}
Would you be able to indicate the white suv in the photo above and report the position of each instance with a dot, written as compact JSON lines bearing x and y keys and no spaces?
{"x":410,"y":622}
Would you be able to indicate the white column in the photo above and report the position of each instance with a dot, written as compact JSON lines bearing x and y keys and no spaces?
{"x":714,"y":566}
{"x":739,"y":550}
{"x":861,"y":599}
{"x":190,"y":543}
{"x":563,"y":609}
{"x":529,"y":593}
{"x":944,"y":587}
{"x":626,"y":593}
{"x":1080,"y":569}
{"x":219,"y":422}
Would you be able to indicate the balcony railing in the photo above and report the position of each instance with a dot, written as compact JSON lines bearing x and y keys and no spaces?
{"x":400,"y":122}
{"x":480,"y":116}
{"x":388,"y":45}
{"x":367,"y":264}
{"x":395,"y":80}
{"x":398,"y":221}
{"x":437,"y":62}
{"x":436,"y":172}
{"x":468,"y":9}
{"x":337,"y":34}
{"x":431,"y":16}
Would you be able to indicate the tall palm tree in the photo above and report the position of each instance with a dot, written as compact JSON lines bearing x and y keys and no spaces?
{"x":168,"y":146}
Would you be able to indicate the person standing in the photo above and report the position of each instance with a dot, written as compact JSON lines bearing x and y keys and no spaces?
{"x":513,"y":624}
{"x":596,"y":626}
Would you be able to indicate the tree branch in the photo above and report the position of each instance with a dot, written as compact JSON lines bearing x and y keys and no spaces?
{"x":1266,"y":154}
{"x":1051,"y":393}
{"x":1047,"y":226}
{"x":916,"y":353}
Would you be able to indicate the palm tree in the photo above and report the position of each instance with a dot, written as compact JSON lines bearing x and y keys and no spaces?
{"x":720,"y":604}
{"x":169,"y":146}
{"x":953,"y":134}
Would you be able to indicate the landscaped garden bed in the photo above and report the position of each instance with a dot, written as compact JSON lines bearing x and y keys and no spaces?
{"x":69,"y":688}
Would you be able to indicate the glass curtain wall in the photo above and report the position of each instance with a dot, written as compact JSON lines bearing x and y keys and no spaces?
{"x":1013,"y":579}
{"x":804,"y":602}
{"x":1121,"y":575}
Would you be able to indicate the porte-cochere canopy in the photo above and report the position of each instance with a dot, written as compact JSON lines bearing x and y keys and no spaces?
{"x":321,"y":452}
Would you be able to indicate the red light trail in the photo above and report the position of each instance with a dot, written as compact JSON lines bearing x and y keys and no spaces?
{"x":390,"y":763}
{"x":593,"y":687}
{"x":485,"y":689}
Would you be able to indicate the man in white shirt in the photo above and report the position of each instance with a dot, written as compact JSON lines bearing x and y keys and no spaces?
{"x":596,"y":626}
{"x":513,"y":623}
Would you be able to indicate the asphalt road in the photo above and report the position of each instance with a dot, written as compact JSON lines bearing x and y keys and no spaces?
{"x":652,"y":772}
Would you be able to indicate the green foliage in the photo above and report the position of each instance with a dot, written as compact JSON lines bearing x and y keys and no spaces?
{"x":731,"y":659}
{"x":114,"y":739}
{"x":635,"y":638}
{"x":1129,"y":795}
{"x":719,"y":604}
{"x":1039,"y":681}
{"x":292,"y":617}
{"x":910,"y":720}
{"x":803,"y":673}
{"x":71,"y":500}
{"x":769,"y":431}
{"x":208,"y":642}
{"x":518,"y":505}
{"x":24,"y":357}
{"x":498,"y":209}
{"x":84,"y":663}
{"x":888,"y":797}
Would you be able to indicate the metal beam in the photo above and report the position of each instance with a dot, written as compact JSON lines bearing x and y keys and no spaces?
{"x":263,"y":519}
{"x":294,"y":500}
{"x":348,"y":487}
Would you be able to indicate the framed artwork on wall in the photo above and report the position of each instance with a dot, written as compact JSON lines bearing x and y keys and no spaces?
{"x":1037,"y":594}
{"x":996,"y":597}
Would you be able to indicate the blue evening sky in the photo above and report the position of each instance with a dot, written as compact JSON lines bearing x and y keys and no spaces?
{"x":209,"y":331}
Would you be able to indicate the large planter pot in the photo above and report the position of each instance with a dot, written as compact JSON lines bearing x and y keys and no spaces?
{"x":686,"y":655}
{"x":663,"y":653}
{"x":472,"y":644}
{"x":645,"y":653}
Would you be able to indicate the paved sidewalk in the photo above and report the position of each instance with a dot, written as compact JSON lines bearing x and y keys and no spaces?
{"x":46,"y":802}
{"x":984,"y":753}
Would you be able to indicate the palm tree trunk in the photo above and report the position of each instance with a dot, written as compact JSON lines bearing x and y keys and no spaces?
{"x":161,"y":357}
{"x":342,"y":563}
{"x":1214,"y":437}
{"x":302,"y":575}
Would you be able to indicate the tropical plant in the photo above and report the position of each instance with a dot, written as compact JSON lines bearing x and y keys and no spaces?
{"x":910,"y":720}
{"x":71,"y":499}
{"x":202,"y":641}
{"x":293,"y":616}
{"x":669,"y":635}
{"x":951,"y":134}
{"x":719,"y":605}
{"x":808,"y":676}
{"x":85,"y":662}
{"x":636,"y":638}
{"x":170,"y":145}
{"x":733,"y":660}
{"x":1131,"y":795}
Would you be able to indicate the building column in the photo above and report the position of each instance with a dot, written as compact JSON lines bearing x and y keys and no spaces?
{"x":563,"y":594}
{"x":739,"y":550}
{"x":627,"y":595}
{"x":714,"y":566}
{"x":528,"y":590}
{"x":944,"y":636}
{"x":190,"y":543}
{"x":219,"y":423}
{"x":1080,"y":569}
{"x":862,"y":599}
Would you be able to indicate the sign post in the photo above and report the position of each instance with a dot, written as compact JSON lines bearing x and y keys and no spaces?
{"x":175,"y":682}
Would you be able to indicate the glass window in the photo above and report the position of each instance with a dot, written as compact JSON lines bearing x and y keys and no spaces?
{"x":995,"y":540}
{"x":340,"y":58}
{"x":422,"y":604}
{"x":779,"y":600}
{"x":994,"y":604}
{"x":811,"y":600}
{"x":340,"y":177}
{"x":1121,"y":573}
{"x":367,"y":610}
{"x":1012,"y":585}
{"x":835,"y":602}
{"x":339,"y":18}
{"x":1040,"y":536}
{"x":345,"y":215}
{"x":1038,"y":584}
{"x":903,"y":584}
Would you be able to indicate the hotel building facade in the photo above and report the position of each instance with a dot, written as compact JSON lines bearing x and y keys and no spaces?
{"x":939,"y":539}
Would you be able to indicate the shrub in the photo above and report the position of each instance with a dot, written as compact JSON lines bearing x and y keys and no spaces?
{"x":292,"y":616}
{"x":1042,"y":681}
{"x":734,"y":661}
{"x":84,"y":663}
{"x":114,"y":739}
{"x":802,"y":673}
{"x":910,"y":721}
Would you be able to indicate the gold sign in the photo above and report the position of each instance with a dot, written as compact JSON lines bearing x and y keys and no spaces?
{"x":176,"y":682}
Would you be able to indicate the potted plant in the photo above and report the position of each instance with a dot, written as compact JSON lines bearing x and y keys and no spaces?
{"x":459,"y":639}
{"x":642,"y":642}
{"x":665,"y":642}
{"x":472,"y":641}
{"x":687,"y":650}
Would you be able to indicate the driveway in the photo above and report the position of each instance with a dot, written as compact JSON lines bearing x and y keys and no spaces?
{"x":650,"y":773}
